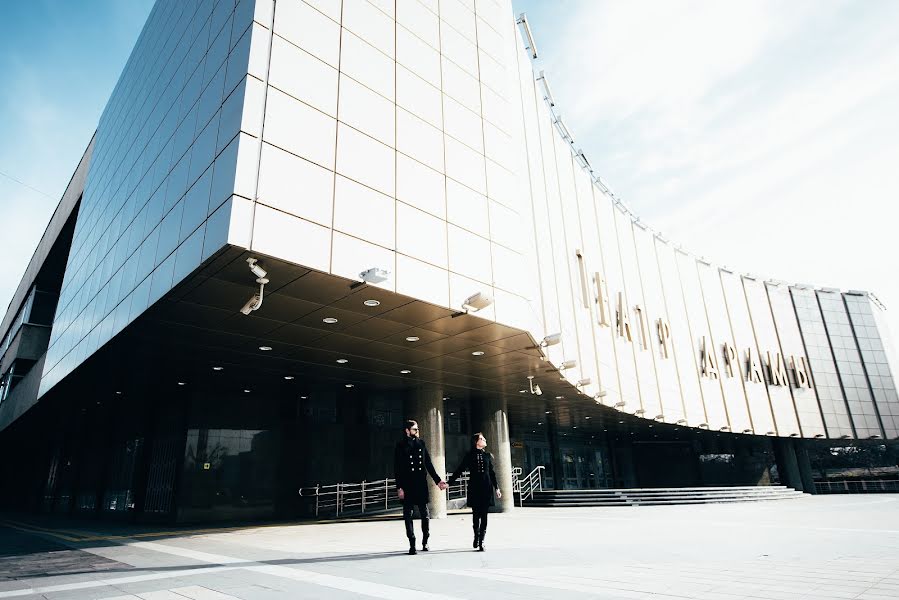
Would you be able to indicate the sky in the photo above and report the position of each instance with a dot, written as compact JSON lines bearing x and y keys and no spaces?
{"x":60,"y":61}
{"x":763,"y":135}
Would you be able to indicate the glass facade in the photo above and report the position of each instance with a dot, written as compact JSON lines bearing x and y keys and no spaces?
{"x":416,"y":137}
{"x":804,"y":397}
{"x":824,"y":373}
{"x":874,"y":360}
{"x":849,"y":364}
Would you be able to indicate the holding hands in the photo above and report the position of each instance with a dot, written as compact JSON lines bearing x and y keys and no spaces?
{"x":442,"y":485}
{"x":400,"y":493}
{"x":499,"y":494}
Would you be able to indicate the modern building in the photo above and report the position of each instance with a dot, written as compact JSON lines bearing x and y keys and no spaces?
{"x":301,"y":222}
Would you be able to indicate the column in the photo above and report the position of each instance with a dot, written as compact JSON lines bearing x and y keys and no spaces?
{"x":787,"y":463}
{"x":805,"y":467}
{"x":425,"y":405}
{"x":490,"y":416}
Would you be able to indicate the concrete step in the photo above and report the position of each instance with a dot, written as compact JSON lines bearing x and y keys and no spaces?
{"x":660,"y":496}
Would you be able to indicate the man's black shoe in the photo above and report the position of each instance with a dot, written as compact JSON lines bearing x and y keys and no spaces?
{"x":412,"y":550}
{"x":481,"y":547}
{"x":424,"y":548}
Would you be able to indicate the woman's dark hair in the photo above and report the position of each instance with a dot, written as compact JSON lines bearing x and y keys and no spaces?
{"x":474,"y":439}
{"x":410,"y":424}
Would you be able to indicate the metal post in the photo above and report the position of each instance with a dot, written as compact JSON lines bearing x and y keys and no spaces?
{"x":316,"y":499}
{"x":386,"y":493}
{"x":363,"y":496}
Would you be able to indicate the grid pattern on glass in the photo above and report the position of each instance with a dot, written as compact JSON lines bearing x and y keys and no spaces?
{"x":874,"y":359}
{"x":849,"y":365}
{"x":804,"y":397}
{"x":821,"y":362}
{"x":411,"y":148}
{"x":150,"y":187}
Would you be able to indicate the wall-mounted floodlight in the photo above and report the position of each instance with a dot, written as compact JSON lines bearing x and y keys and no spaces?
{"x":563,"y":130}
{"x":477,"y":302}
{"x":551,"y":340}
{"x":535,"y":388}
{"x":620,"y":404}
{"x":601,"y":394}
{"x":581,"y":159}
{"x":568,"y":364}
{"x":374,"y":275}
{"x":584,"y":382}
{"x":531,"y":47}
{"x":659,"y":418}
{"x":547,"y":93}
{"x":255,"y":301}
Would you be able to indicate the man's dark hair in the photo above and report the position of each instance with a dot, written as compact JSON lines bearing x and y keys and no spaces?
{"x":410,"y":424}
{"x":474,"y":439}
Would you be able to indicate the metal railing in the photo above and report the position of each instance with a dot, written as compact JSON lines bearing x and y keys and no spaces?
{"x":526,"y":486}
{"x":365,"y":497}
{"x":858,"y":486}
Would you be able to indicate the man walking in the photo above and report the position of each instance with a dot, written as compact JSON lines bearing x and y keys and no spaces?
{"x":411,"y":462}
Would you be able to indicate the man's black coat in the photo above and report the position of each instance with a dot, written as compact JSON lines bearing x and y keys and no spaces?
{"x":411,"y":465}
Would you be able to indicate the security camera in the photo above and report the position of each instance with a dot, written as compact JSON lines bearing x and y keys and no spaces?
{"x":256,"y":269}
{"x":252,"y":304}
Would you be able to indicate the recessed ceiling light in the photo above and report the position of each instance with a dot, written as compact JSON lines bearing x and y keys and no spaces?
{"x":452,"y":414}
{"x":559,"y":397}
{"x":412,"y":338}
{"x":329,"y":320}
{"x":549,"y":412}
{"x":265,"y":348}
{"x":217,"y":368}
{"x":478,"y":353}
{"x":587,"y":417}
{"x":303,"y":397}
{"x":349,"y":385}
{"x":246,"y":391}
{"x":372,"y":303}
{"x":118,"y":393}
{"x":288,"y":377}
{"x":621,"y":422}
{"x":181,"y":383}
{"x":575,"y":427}
{"x":405,"y":371}
{"x":522,"y":391}
{"x":342,"y":361}
{"x":539,"y":422}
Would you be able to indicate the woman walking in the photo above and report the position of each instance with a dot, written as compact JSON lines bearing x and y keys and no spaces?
{"x":482,"y":486}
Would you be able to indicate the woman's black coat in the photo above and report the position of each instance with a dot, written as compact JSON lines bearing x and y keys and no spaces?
{"x":482,"y":484}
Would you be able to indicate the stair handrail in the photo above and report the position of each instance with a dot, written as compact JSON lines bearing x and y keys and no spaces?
{"x":526,"y":486}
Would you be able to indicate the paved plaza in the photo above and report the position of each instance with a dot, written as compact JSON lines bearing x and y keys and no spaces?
{"x":813,"y":547}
